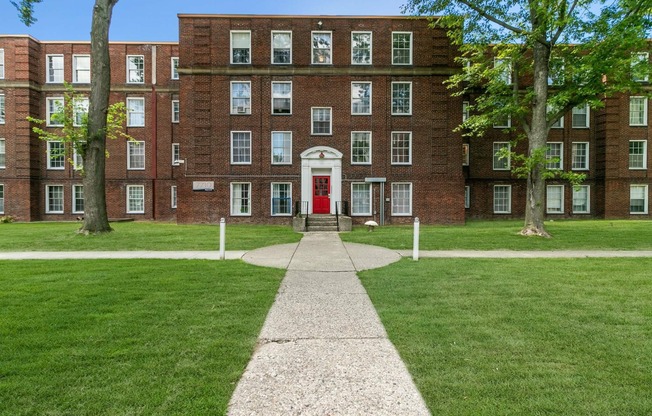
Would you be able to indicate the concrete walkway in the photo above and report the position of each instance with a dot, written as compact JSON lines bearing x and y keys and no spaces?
{"x":323,"y":349}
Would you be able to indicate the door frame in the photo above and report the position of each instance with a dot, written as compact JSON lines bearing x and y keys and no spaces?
{"x":330,"y":187}
{"x":321,"y":161}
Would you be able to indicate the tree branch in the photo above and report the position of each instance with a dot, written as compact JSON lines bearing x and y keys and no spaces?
{"x":562,"y":27}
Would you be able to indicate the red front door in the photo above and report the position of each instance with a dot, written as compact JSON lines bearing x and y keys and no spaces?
{"x":321,"y":200}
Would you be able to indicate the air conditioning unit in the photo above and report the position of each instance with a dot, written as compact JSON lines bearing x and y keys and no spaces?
{"x":241,"y":109}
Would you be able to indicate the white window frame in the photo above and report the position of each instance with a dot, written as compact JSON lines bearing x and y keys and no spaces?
{"x":507,"y":125}
{"x":395,"y":107}
{"x":50,"y":103}
{"x":410,"y":49}
{"x":2,"y":109}
{"x":58,"y":163}
{"x":77,"y":159}
{"x":174,"y":67}
{"x":280,"y":96}
{"x":636,"y":58}
{"x":248,"y":148}
{"x":643,"y":121}
{"x":80,"y":107}
{"x":559,"y":124}
{"x":48,"y":204}
{"x":467,"y":197}
{"x":576,"y":192}
{"x":54,"y":72}
{"x":559,"y":165}
{"x":506,"y":73}
{"x":643,"y":164}
{"x":575,"y":112}
{"x":286,"y":151}
{"x":136,"y":149}
{"x":574,"y":157}
{"x":3,"y":154}
{"x":280,"y":32}
{"x":395,"y":212}
{"x":75,"y":206}
{"x":354,"y":100}
{"x":173,"y":196}
{"x":242,"y":110}
{"x":271,"y":205}
{"x":329,"y":57}
{"x":2,"y":198}
{"x":176,"y":154}
{"x":369,"y":147}
{"x":466,"y":111}
{"x":132,"y":121}
{"x":368,"y":198}
{"x":232,"y":199}
{"x":498,"y":163}
{"x":133,"y":59}
{"x":313,"y":121}
{"x":371,"y":54}
{"x":645,"y":199}
{"x":554,"y":209}
{"x":466,"y":154}
{"x":2,"y":63}
{"x":395,"y":156}
{"x":176,"y":111}
{"x":130,"y":198}
{"x":233,"y":48}
{"x":76,"y":71}
{"x":509,"y":200}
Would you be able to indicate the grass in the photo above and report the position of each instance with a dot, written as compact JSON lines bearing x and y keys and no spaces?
{"x":518,"y":337}
{"x":127,"y":337}
{"x":493,"y":235}
{"x":53,"y":236}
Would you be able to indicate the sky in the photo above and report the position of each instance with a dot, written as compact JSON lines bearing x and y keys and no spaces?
{"x":156,"y":20}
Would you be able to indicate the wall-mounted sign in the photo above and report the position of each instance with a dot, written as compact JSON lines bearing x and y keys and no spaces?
{"x":203,"y":186}
{"x":375,"y":180}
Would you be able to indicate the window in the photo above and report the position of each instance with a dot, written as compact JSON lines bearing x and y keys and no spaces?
{"x":638,"y":199}
{"x":361,"y":48}
{"x":2,"y":197}
{"x":176,"y":154}
{"x":638,"y":154}
{"x":3,"y":158}
{"x":555,"y":156}
{"x":54,"y":199}
{"x":467,"y":197}
{"x":135,"y":112}
{"x":2,"y":63}
{"x":55,"y":68}
{"x":81,"y":69}
{"x":135,"y":155}
{"x":281,"y":148}
{"x":580,"y":156}
{"x":581,"y":199}
{"x":502,"y":199}
{"x":401,"y":98}
{"x":78,"y":199}
{"x":361,"y":98}
{"x":174,"y":67}
{"x":240,"y":198}
{"x":241,"y":147}
{"x":640,"y":62}
{"x":281,"y":199}
{"x":321,"y":120}
{"x":80,"y":110}
{"x":135,"y":69}
{"x":465,"y":111}
{"x":135,"y":199}
{"x":281,"y":98}
{"x":2,"y":109}
{"x":401,"y":199}
{"x":240,"y":97}
{"x":500,"y":161}
{"x":240,"y":47}
{"x":77,"y":159}
{"x":401,"y":148}
{"x":175,"y":111}
{"x":559,"y":124}
{"x":54,"y":111}
{"x":360,"y":199}
{"x":465,"y":154}
{"x":173,"y":196}
{"x":555,"y":199}
{"x":638,"y":111}
{"x":402,"y":48}
{"x":281,"y":47}
{"x":322,"y":48}
{"x":581,"y":117}
{"x":361,"y":148}
{"x":56,"y":155}
{"x":503,"y":66}
{"x":504,"y":122}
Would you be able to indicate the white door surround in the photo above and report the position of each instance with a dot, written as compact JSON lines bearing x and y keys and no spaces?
{"x":321,"y":161}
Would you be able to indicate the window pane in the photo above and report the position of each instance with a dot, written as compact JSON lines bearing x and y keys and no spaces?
{"x":136,"y":155}
{"x":361,"y":147}
{"x":321,"y":48}
{"x":78,"y":199}
{"x":638,"y":199}
{"x":241,"y":44}
{"x":281,"y":199}
{"x":281,"y":147}
{"x":401,"y":148}
{"x":401,"y":199}
{"x":401,"y":97}
{"x":502,"y":199}
{"x":361,"y":48}
{"x":638,"y":111}
{"x":554,"y":154}
{"x":361,"y":199}
{"x":555,"y":199}
{"x":637,"y":154}
{"x":281,"y":97}
{"x":241,"y":147}
{"x":499,"y":162}
{"x":240,"y":199}
{"x":361,"y":98}
{"x":282,"y":48}
{"x":581,"y":199}
{"x":55,"y":199}
{"x":135,"y":199}
{"x":402,"y":48}
{"x":580,"y":156}
{"x":321,"y":121}
{"x":241,"y":97}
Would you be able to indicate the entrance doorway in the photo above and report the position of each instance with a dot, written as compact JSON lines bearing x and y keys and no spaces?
{"x":321,"y":197}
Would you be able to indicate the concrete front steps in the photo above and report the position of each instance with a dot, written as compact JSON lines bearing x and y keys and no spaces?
{"x":322,"y":222}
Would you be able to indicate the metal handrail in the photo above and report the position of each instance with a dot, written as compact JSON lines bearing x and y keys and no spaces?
{"x":337,"y":215}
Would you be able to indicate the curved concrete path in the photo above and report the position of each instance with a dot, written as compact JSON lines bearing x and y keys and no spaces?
{"x":323,"y":349}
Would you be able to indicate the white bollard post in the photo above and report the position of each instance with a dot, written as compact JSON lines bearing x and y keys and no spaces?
{"x":415,"y":244}
{"x":222,"y":238}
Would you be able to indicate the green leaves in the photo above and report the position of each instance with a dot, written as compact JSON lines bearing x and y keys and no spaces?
{"x":26,"y":10}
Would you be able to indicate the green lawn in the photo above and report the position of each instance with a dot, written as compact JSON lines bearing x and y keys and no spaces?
{"x":522,"y":337}
{"x":52,"y":236}
{"x":492,"y":235}
{"x":127,"y":337}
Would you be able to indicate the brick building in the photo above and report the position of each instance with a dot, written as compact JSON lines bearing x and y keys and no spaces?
{"x":256,"y":117}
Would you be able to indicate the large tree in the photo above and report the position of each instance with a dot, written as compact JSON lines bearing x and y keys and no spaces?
{"x":534,"y":60}
{"x":93,"y":150}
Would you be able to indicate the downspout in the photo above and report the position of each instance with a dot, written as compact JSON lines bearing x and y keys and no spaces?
{"x":154,"y":133}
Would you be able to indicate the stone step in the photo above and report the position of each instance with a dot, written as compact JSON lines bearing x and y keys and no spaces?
{"x":322,"y":228}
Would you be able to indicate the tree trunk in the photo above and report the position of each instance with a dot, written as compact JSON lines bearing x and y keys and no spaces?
{"x":537,"y":140}
{"x":95,"y":215}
